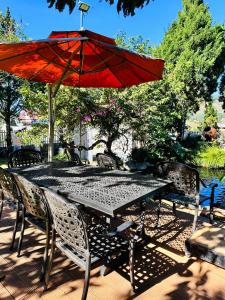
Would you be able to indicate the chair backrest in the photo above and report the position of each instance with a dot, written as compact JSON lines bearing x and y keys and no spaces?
{"x":106,"y":161}
{"x":73,"y":156}
{"x":185,"y":179}
{"x":8,"y":185}
{"x":32,"y":197}
{"x":24,"y":157}
{"x":68,"y":222}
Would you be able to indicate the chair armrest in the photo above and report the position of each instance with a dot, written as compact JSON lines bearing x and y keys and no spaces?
{"x":211,"y":185}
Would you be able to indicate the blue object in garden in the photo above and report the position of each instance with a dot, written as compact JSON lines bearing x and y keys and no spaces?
{"x":219,"y":197}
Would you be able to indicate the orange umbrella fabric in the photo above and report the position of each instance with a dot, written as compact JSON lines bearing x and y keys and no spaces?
{"x":80,"y":59}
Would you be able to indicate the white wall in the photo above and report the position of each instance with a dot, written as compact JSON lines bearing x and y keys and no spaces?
{"x":89,"y":136}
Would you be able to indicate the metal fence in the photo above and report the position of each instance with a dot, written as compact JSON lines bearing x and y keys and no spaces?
{"x":3,"y":138}
{"x":44,"y":141}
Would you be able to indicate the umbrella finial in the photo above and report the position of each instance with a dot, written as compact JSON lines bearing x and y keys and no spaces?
{"x":84,"y":8}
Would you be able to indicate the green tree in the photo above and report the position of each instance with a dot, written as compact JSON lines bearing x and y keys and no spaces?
{"x":194,"y":51}
{"x":210,"y":116}
{"x":127,"y":6}
{"x":10,"y":97}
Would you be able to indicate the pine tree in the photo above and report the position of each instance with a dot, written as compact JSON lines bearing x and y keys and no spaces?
{"x":210,"y":116}
{"x":194,"y":51}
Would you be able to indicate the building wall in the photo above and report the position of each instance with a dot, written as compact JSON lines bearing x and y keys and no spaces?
{"x":122,"y":147}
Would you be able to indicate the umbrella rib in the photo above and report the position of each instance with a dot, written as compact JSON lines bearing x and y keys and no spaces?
{"x":98,"y":64}
{"x":39,"y":71}
{"x":108,"y":66}
{"x":28,"y":52}
{"x":52,"y":61}
{"x":48,"y":63}
{"x":107,"y":49}
{"x":73,"y":69}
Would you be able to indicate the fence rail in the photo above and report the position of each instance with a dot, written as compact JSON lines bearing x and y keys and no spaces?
{"x":3,"y":138}
{"x":44,"y":141}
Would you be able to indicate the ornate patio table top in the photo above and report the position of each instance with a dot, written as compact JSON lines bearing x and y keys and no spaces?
{"x":107,"y":191}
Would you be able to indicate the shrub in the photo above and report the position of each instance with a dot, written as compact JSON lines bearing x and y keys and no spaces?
{"x":139,"y":155}
{"x":210,"y":157}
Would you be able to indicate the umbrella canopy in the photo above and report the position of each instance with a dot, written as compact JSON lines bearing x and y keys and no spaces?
{"x":78,"y":58}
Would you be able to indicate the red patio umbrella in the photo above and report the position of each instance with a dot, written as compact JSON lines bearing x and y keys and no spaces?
{"x":79,"y":59}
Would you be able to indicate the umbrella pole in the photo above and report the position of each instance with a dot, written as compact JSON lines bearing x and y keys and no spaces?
{"x":50,"y":123}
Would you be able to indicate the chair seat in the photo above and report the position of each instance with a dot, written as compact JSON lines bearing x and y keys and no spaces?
{"x":184,"y":199}
{"x":101,"y":246}
{"x":179,"y":198}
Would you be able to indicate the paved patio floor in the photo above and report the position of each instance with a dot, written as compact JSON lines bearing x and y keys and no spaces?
{"x":162,"y":272}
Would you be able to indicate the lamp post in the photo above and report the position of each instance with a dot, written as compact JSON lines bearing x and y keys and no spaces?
{"x":84,"y":8}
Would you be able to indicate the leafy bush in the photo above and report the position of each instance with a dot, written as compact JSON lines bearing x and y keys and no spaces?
{"x":191,"y":141}
{"x":139,"y":155}
{"x":210,"y":157}
{"x":34,"y":136}
{"x":60,"y":156}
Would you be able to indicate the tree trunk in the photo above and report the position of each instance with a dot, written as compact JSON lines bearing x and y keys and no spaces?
{"x":51,"y":124}
{"x":109,"y":146}
{"x":184,"y":118}
{"x":8,"y":131}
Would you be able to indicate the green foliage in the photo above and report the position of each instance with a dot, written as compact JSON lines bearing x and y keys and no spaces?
{"x":128,"y":7}
{"x":11,"y":100}
{"x":33,"y":136}
{"x":60,"y":156}
{"x":210,"y":157}
{"x":194,"y":51}
{"x":210,"y":117}
{"x":139,"y":155}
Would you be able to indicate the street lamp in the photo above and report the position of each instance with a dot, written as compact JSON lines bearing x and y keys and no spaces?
{"x":84,"y":8}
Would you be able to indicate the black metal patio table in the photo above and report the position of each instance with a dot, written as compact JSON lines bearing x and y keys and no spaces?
{"x":107,"y":191}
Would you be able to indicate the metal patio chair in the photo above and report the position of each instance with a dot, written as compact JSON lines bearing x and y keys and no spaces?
{"x":106,"y":161}
{"x":34,"y":212}
{"x":184,"y":188}
{"x":10,"y":196}
{"x":87,"y":245}
{"x":24,"y":158}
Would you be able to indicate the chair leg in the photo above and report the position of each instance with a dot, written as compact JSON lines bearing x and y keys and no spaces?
{"x":195,"y":220}
{"x":15,"y":227}
{"x":131,"y":262}
{"x":45,"y":256}
{"x":21,"y":233}
{"x":1,"y":208}
{"x":158,"y":213}
{"x":86,"y":282}
{"x":174,"y":211}
{"x":211,"y":214}
{"x":49,"y":265}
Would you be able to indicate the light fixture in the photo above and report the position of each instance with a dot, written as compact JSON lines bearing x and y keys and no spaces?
{"x":84,"y":7}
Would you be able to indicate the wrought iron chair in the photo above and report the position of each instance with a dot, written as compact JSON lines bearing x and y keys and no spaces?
{"x":24,"y":157}
{"x":34,"y":212}
{"x":106,"y":161}
{"x":10,"y":196}
{"x":184,"y":189}
{"x":85,"y":244}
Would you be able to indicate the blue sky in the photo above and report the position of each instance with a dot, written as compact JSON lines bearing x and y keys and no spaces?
{"x":151,"y":22}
